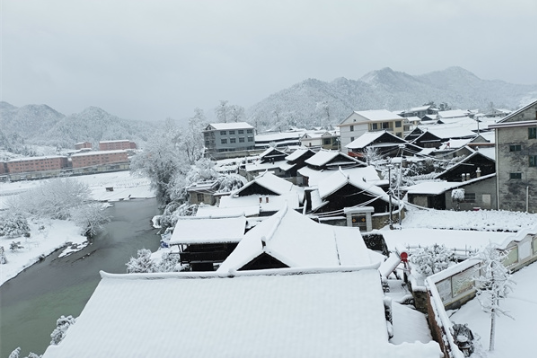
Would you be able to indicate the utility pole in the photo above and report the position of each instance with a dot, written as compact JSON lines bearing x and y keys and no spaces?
{"x":390,"y":221}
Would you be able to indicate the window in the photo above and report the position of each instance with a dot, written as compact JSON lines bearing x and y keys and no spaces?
{"x":386,"y":125}
{"x":250,"y":139}
{"x":352,"y":128}
{"x":223,"y":133}
{"x":469,"y":197}
{"x":533,"y":161}
{"x":515,"y":148}
{"x":232,"y":140}
{"x":241,"y":140}
{"x":223,"y":141}
{"x":201,"y":197}
{"x":374,"y":126}
{"x":326,"y":141}
{"x":515,"y":175}
{"x":232,"y":132}
{"x":532,"y":133}
{"x":398,"y":124}
{"x":352,"y":139}
{"x":249,"y":131}
{"x":241,"y":131}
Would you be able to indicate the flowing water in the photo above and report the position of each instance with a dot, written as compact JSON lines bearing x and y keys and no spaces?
{"x":31,"y":303}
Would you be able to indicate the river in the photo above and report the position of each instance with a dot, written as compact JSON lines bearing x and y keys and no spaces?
{"x":31,"y":303}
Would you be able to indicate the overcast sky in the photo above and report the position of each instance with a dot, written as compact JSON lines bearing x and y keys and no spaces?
{"x":156,"y":59}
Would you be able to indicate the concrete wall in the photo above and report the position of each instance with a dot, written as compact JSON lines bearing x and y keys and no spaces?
{"x":485,"y":196}
{"x":512,"y":192}
{"x":235,"y":140}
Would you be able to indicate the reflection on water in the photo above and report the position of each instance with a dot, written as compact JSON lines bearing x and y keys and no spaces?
{"x":31,"y":303}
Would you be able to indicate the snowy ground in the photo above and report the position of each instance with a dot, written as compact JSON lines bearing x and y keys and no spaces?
{"x":57,"y":233}
{"x":125,"y":185}
{"x":514,"y":338}
{"x":42,"y":242}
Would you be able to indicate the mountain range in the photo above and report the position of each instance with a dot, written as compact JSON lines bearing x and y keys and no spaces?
{"x":307,"y":104}
{"x":322,"y":103}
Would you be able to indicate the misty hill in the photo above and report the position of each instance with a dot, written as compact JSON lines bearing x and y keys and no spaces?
{"x":42,"y":125}
{"x":313,"y":102}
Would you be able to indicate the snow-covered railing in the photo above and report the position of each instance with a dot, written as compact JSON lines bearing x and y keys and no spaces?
{"x":440,"y":324}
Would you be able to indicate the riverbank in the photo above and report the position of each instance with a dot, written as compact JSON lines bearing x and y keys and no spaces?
{"x":59,"y":285}
{"x":47,"y":236}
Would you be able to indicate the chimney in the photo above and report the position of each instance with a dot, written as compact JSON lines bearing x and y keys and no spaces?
{"x":478,"y":173}
{"x":467,"y":176}
{"x":463,"y":176}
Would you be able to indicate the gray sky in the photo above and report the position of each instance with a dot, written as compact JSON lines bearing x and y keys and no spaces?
{"x":156,"y":59}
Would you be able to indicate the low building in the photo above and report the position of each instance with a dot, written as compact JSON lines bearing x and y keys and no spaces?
{"x":321,"y":139}
{"x":37,"y":164}
{"x":116,"y":145}
{"x":360,"y":122}
{"x":223,"y":140}
{"x":83,"y":145}
{"x":98,"y":158}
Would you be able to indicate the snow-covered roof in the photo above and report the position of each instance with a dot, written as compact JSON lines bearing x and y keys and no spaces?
{"x":194,"y":230}
{"x":451,"y":132}
{"x":14,"y":160}
{"x":455,"y":143}
{"x":341,"y":178}
{"x":297,"y":154}
{"x":286,"y":166}
{"x":228,"y":126}
{"x":264,"y":202}
{"x":359,"y":174}
{"x":270,"y":182}
{"x":489,"y":152}
{"x":369,"y":137}
{"x":378,"y":115}
{"x":98,"y":152}
{"x":453,"y":113}
{"x":439,"y":187}
{"x":518,"y":111}
{"x":279,"y":136}
{"x":299,"y":242}
{"x":323,"y":157}
{"x":207,"y":211}
{"x":314,"y":314}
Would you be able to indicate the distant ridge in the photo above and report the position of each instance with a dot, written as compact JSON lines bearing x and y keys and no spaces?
{"x":314,"y":103}
{"x":42,"y":125}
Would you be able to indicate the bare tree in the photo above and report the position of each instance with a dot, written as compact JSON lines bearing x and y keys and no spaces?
{"x":222,"y":111}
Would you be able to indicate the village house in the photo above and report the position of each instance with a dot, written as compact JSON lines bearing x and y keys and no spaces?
{"x":116,"y":145}
{"x":204,"y":242}
{"x":269,"y":160}
{"x":288,"y":313}
{"x":327,"y":160}
{"x":321,"y":139}
{"x":266,"y":192}
{"x":295,"y":161}
{"x":202,"y":193}
{"x":419,"y":112}
{"x":360,"y":122}
{"x":279,"y":139}
{"x":288,"y":239}
{"x":516,"y":160}
{"x":472,"y":166}
{"x":345,"y":189}
{"x":225,"y":140}
{"x":383,"y":144}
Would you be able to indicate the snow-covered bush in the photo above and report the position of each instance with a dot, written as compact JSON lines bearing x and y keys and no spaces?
{"x":457,"y":195}
{"x":15,"y":353}
{"x":169,"y":263}
{"x":141,"y":264}
{"x":431,"y":259}
{"x":62,"y":325}
{"x":15,"y":245}
{"x":90,"y":218}
{"x":13,"y":224}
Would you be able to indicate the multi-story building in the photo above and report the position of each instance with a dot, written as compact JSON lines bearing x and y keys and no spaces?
{"x":516,"y":160}
{"x":116,"y":145}
{"x":360,"y":122}
{"x":225,"y":139}
{"x":92,"y":159}
{"x":82,"y":145}
{"x":36,"y":164}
